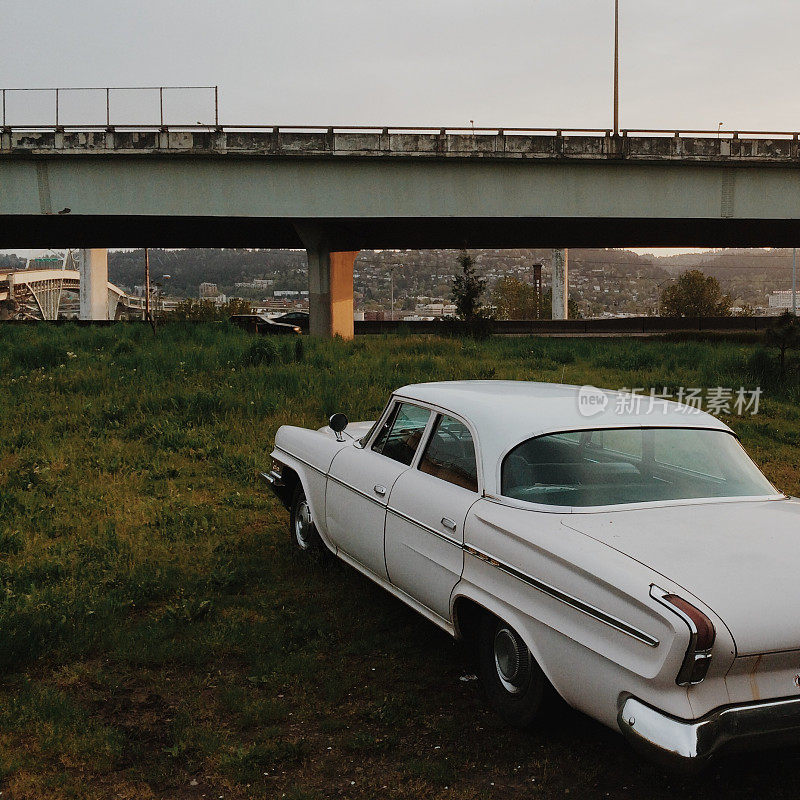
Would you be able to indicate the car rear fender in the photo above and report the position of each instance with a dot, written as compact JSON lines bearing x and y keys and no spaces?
{"x":468,"y":598}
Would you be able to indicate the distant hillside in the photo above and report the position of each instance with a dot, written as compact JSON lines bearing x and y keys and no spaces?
{"x":189,"y":268}
{"x":602,"y":280}
{"x":748,"y":275}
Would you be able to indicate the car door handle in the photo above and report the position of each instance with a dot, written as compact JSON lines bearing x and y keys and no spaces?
{"x":379,"y":490}
{"x":448,"y":523}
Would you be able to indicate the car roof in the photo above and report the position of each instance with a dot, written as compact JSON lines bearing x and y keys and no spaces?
{"x":506,"y":413}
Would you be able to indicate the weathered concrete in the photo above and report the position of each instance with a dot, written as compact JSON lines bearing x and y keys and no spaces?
{"x":399,"y":144}
{"x":330,"y":292}
{"x":93,"y":293}
{"x":396,"y":190}
{"x":560,"y":287}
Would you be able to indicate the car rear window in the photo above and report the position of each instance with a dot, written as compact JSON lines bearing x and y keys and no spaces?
{"x":617,"y":466}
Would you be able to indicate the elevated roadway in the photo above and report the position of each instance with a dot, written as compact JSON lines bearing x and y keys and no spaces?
{"x":340,"y":190}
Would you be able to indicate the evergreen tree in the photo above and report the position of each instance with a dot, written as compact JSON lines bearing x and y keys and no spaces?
{"x":468,"y":288}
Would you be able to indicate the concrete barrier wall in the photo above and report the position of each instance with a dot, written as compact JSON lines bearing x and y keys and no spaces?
{"x":617,"y":326}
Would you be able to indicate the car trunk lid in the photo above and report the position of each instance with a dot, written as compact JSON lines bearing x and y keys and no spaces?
{"x":741,"y":559}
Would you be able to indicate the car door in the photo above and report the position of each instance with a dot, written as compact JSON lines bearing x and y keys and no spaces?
{"x":360,"y":481}
{"x":426,"y":513}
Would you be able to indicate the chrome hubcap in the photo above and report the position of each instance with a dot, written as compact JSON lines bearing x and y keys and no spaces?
{"x":512,"y":660}
{"x":303,"y":525}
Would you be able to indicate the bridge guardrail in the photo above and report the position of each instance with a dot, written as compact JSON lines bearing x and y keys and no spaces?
{"x":109,"y":92}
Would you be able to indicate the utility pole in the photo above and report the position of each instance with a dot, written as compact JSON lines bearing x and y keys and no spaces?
{"x":391,"y":273}
{"x":147,"y":315}
{"x":616,"y":67}
{"x":794,"y":281}
{"x":537,"y":288}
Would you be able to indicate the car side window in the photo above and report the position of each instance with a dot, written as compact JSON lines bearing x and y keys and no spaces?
{"x":401,"y":433}
{"x":450,"y":454}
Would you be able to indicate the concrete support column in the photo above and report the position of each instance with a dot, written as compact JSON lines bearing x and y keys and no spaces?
{"x":320,"y":321}
{"x":93,"y":270}
{"x":342,"y":293}
{"x":560,"y":284}
{"x":330,"y":283}
{"x":330,"y":292}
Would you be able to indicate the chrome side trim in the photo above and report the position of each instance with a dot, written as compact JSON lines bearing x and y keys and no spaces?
{"x":428,"y":528}
{"x":358,"y":491}
{"x":301,"y":460}
{"x":567,"y":599}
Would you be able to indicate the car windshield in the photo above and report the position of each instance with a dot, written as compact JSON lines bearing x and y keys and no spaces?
{"x":630,"y":465}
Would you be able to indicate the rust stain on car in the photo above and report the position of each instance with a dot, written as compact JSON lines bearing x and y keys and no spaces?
{"x":753,"y":680}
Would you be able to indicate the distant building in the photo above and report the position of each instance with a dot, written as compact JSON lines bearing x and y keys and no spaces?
{"x":272,"y":307}
{"x":208,"y":290}
{"x":781,"y":300}
{"x":289,"y":293}
{"x":256,"y":283}
{"x":427,"y":310}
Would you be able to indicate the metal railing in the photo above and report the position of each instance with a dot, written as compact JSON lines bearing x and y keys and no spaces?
{"x":408,"y":129}
{"x":58,"y":93}
{"x":442,"y":130}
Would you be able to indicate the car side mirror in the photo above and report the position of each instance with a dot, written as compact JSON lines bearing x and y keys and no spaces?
{"x":337,"y":423}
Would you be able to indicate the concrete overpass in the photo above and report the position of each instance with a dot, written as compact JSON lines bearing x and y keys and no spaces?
{"x":336,"y":191}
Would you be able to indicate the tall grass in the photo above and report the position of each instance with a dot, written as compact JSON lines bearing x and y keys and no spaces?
{"x":134,"y":533}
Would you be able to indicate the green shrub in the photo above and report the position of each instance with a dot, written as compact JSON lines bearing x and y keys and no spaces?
{"x":261,"y":351}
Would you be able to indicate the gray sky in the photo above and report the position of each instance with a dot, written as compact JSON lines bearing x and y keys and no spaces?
{"x":433,"y":62}
{"x":526,"y":63}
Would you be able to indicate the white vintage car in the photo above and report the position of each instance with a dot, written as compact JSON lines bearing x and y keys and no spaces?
{"x":634,"y":561}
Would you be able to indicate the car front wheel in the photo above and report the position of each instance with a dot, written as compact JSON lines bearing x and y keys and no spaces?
{"x":303,"y":531}
{"x":514,"y":683}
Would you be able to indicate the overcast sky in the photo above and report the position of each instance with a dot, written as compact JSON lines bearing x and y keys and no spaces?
{"x":504,"y":63}
{"x":426,"y":62}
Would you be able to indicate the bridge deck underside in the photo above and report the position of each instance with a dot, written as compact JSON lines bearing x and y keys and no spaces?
{"x":400,"y":233}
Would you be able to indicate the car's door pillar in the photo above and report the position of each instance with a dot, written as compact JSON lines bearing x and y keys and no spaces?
{"x":330,"y":284}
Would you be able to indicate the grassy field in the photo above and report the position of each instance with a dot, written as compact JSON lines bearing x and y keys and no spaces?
{"x":158,"y":638}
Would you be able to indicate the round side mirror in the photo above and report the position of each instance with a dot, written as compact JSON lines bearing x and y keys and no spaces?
{"x":337,"y":423}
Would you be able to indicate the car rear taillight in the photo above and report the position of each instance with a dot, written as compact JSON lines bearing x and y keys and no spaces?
{"x":701,"y":636}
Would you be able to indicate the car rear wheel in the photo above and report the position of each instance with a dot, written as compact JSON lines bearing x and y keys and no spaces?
{"x":303,"y":531}
{"x":514,"y":683}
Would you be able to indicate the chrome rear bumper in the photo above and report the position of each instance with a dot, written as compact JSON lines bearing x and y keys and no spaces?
{"x":690,"y":744}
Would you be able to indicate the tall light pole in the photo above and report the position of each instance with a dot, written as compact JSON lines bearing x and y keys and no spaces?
{"x":616,"y":67}
{"x":147,"y":284}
